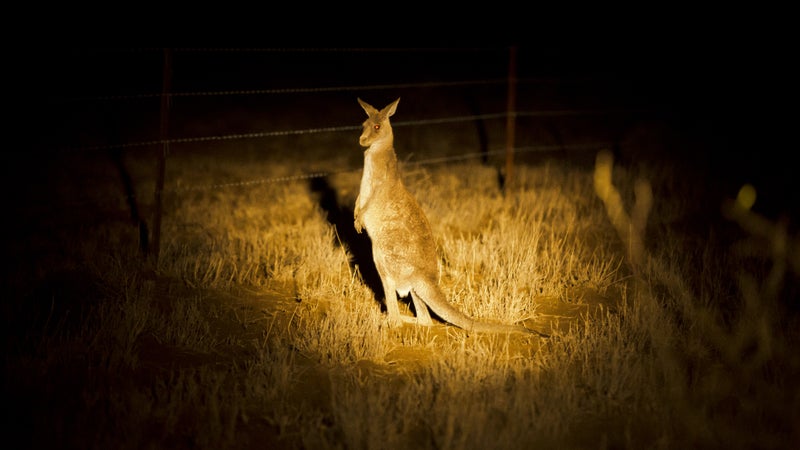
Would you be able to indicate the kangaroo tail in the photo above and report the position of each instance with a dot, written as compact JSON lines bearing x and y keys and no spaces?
{"x":432,"y":296}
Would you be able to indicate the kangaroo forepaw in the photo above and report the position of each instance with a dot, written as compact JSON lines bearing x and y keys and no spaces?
{"x":358,"y":224}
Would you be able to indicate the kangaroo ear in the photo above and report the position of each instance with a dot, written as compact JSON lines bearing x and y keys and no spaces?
{"x":370,"y":110}
{"x":391,"y":108}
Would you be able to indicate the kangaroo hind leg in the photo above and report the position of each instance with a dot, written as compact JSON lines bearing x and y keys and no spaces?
{"x":423,"y":315}
{"x":390,"y":299}
{"x":392,"y":305}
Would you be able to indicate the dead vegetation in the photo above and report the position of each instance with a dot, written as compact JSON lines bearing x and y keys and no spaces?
{"x":260,"y":328}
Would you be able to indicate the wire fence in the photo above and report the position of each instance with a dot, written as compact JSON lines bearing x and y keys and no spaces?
{"x":510,"y":115}
{"x":297,"y":90}
{"x":343,"y":128}
{"x":416,"y":163}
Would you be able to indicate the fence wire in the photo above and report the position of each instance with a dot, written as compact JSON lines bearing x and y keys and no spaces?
{"x":297,"y":90}
{"x":177,"y":190}
{"x":422,"y":162}
{"x":341,"y":128}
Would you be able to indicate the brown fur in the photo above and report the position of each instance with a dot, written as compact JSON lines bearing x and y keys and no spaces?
{"x":402,"y":242}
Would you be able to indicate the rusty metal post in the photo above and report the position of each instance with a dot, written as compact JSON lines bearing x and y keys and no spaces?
{"x":511,"y":114}
{"x":162,"y":157}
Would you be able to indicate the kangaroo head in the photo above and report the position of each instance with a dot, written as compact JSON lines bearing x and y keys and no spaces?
{"x":376,"y":127}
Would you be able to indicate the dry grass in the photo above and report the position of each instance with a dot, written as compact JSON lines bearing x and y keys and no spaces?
{"x":257,"y":328}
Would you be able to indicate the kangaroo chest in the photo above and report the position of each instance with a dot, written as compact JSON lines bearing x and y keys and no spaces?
{"x":380,"y":189}
{"x":380,"y":174}
{"x":365,"y":190}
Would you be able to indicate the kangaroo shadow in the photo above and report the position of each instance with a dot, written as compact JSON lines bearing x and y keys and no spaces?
{"x":359,"y":245}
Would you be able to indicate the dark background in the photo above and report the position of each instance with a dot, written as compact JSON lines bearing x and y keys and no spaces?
{"x":728,"y":92}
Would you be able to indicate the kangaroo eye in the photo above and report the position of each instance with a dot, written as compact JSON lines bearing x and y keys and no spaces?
{"x":377,"y":127}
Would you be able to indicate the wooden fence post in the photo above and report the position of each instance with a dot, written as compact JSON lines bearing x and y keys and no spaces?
{"x":511,"y":107}
{"x":162,"y":157}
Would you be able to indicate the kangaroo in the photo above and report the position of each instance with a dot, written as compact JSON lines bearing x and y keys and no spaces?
{"x":402,"y":241}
